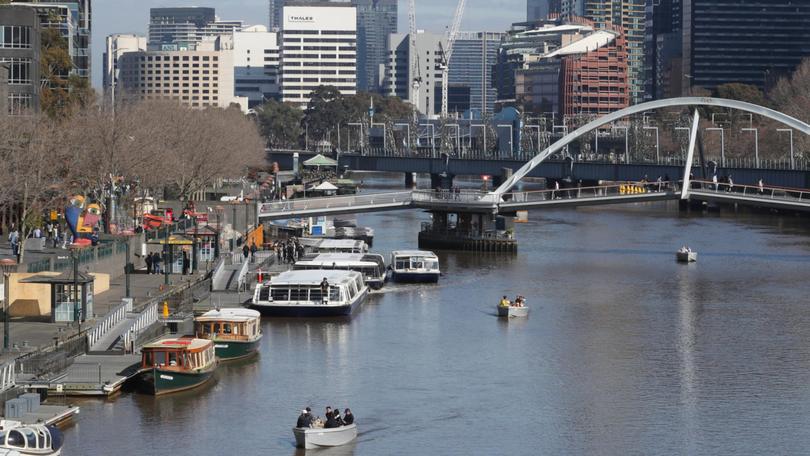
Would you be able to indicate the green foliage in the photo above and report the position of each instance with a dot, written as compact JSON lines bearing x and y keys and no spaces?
{"x":280,"y":123}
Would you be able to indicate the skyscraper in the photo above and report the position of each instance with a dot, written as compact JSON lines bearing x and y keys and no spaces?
{"x":662,"y":41}
{"x":19,"y":59}
{"x":474,"y":54}
{"x":115,"y":46}
{"x":742,"y":41}
{"x":630,"y":16}
{"x":178,"y":29}
{"x":541,"y":9}
{"x":376,"y":20}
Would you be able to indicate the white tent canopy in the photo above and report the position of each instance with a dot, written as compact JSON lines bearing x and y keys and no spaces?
{"x":324,"y":186}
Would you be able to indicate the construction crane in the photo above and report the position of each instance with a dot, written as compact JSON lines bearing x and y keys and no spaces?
{"x":416,"y":76}
{"x":448,"y":52}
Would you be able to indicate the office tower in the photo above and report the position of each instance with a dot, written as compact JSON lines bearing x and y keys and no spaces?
{"x":542,"y":9}
{"x":319,"y":48}
{"x":376,"y":20}
{"x":180,"y":29}
{"x":255,"y":64}
{"x":19,"y":57}
{"x":630,"y":16}
{"x":474,"y":54}
{"x":115,"y":46}
{"x":398,"y":78}
{"x":663,"y":42}
{"x":742,"y":41}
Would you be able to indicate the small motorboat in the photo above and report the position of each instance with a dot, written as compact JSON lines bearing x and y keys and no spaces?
{"x":18,"y":439}
{"x":513,"y":311}
{"x":311,"y":438}
{"x":685,"y":255}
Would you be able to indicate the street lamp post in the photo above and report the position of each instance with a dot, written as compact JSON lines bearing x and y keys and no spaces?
{"x":756,"y":143}
{"x":722,"y":144}
{"x":127,"y":270}
{"x":657,"y":150}
{"x":432,"y":138}
{"x":166,"y":259}
{"x":76,"y":305}
{"x":792,"y":160}
{"x":538,"y":135}
{"x":408,"y":132}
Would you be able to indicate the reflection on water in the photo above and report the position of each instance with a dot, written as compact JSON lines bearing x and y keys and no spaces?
{"x":624,"y":352}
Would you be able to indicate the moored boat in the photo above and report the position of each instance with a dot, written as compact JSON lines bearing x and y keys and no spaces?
{"x":371,"y":265}
{"x":236,"y":332}
{"x":17,"y":439}
{"x":176,"y":364}
{"x":340,"y":246}
{"x":305,"y":294}
{"x":311,"y":438}
{"x":414,"y":266}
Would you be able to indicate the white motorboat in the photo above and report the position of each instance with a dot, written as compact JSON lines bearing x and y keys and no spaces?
{"x":371,"y":265}
{"x":311,"y":438}
{"x":17,"y":439}
{"x":301,"y":294}
{"x":414,"y":266}
{"x":685,"y":255}
{"x":513,"y":311}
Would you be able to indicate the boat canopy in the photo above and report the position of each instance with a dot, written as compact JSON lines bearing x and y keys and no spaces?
{"x":342,"y":245}
{"x":179,"y":343}
{"x":341,"y":259}
{"x":236,"y":315}
{"x":413,"y":253}
{"x":314,"y":277}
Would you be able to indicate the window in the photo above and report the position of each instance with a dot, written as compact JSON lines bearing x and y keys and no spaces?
{"x":19,"y":104}
{"x":19,"y":70}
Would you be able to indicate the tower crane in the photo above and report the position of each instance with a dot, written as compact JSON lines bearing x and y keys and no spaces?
{"x":448,"y":52}
{"x":416,"y":76}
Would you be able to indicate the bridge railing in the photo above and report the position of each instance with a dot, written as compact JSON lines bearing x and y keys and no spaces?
{"x":445,"y":195}
{"x":769,"y":192}
{"x":304,"y":204}
{"x":601,"y":191}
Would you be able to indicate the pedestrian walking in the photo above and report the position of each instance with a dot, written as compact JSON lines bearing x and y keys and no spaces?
{"x":253,"y":250}
{"x":186,"y":263}
{"x":14,"y":240}
{"x":148,"y":261}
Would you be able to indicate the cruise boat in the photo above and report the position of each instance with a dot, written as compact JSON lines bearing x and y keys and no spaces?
{"x":18,"y":439}
{"x":176,"y":364}
{"x":371,"y":265}
{"x":340,"y":246}
{"x":236,"y":332}
{"x":414,"y":266}
{"x":299,"y":294}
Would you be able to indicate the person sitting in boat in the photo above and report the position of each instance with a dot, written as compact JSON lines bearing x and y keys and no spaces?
{"x":504,"y":302}
{"x":348,"y":418}
{"x":331,"y":421}
{"x":684,"y":249}
{"x":305,"y":418}
{"x":338,"y":419}
{"x":518,"y":301}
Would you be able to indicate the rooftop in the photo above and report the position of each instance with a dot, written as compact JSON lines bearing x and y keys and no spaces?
{"x":314,"y":277}
{"x":185,"y":343}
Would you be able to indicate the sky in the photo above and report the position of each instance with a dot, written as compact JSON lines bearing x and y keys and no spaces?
{"x":132,"y":16}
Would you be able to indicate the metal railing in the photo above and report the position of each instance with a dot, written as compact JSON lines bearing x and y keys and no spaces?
{"x":115,"y":316}
{"x":7,"y":376}
{"x":84,"y":256}
{"x":455,"y":196}
{"x":601,"y":191}
{"x":147,"y":317}
{"x":52,"y":358}
{"x":753,"y":191}
{"x":306,"y":204}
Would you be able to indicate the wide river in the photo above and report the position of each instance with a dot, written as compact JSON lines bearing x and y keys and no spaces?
{"x":625,"y":351}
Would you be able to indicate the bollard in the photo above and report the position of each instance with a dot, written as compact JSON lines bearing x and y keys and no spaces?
{"x":165,"y":309}
{"x":260,"y":276}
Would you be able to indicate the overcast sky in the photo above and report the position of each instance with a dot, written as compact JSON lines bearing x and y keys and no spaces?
{"x":128,"y":16}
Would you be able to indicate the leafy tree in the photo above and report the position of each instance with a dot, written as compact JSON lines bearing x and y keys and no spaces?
{"x":326,"y":109}
{"x":280,"y":123}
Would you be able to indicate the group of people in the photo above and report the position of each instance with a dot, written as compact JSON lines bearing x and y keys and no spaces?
{"x":154,"y":259}
{"x":250,"y":251}
{"x":288,"y":251}
{"x":332,"y":420}
{"x":520,"y":301}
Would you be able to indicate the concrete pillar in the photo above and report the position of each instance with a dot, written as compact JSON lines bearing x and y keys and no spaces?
{"x":439,"y":181}
{"x":410,"y":180}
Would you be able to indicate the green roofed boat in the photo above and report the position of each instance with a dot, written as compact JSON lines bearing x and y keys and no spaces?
{"x":235,"y":332}
{"x":176,"y":364}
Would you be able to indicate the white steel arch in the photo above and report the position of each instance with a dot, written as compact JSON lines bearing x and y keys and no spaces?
{"x":650,"y":105}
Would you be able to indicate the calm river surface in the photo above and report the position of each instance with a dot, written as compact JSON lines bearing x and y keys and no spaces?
{"x":625,"y":351}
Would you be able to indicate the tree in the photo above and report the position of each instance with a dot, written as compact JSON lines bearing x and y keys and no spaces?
{"x":741,"y":92}
{"x":326,"y":109}
{"x":61,"y":92}
{"x":280,"y":123}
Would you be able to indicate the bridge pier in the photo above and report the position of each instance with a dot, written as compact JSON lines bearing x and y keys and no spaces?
{"x":410,"y":180}
{"x":473,"y":231}
{"x":443,"y":181}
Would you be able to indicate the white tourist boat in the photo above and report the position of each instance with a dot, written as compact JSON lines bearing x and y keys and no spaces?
{"x":414,"y":266}
{"x":513,"y":311}
{"x":299,"y":294}
{"x":371,"y":265}
{"x":18,"y":439}
{"x":685,"y":255}
{"x":340,"y":246}
{"x":311,"y":438}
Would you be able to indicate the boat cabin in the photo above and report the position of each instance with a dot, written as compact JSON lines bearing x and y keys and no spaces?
{"x":414,"y":260}
{"x":229,"y":324}
{"x":371,"y":265}
{"x":341,"y":246}
{"x":181,"y":354}
{"x":27,"y":439}
{"x":305,"y":287}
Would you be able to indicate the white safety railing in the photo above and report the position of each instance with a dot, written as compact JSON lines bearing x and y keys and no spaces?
{"x":242,"y":274}
{"x":333,"y":202}
{"x":628,"y":189}
{"x":753,"y":191}
{"x":115,"y":316}
{"x":7,"y":376}
{"x":145,"y":319}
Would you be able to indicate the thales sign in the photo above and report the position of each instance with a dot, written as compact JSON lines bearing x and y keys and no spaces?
{"x":295,"y":18}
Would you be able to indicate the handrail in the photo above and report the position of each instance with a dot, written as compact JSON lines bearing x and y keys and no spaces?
{"x":147,"y":317}
{"x":621,"y":189}
{"x":8,"y":376}
{"x":303,"y":204}
{"x":115,"y":316}
{"x":242,"y":274}
{"x":754,"y":191}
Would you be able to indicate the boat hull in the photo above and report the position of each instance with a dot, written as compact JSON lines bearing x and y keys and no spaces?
{"x":311,"y":438}
{"x":310,"y":310}
{"x":415,"y":277}
{"x":513,"y":311}
{"x":227,"y":350}
{"x":686,"y":257}
{"x":157,"y":381}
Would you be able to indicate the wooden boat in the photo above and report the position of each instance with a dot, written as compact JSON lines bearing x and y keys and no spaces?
{"x":311,"y":438}
{"x":298,"y":294}
{"x":685,"y":256}
{"x":513,"y":311}
{"x":18,"y":439}
{"x":414,"y":266}
{"x":176,"y":364}
{"x":235,"y":332}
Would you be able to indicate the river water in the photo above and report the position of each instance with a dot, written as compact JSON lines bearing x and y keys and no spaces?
{"x":625,"y":352}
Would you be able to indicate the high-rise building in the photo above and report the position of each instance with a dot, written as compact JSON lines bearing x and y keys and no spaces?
{"x":181,"y":29}
{"x":20,"y":55}
{"x":3,"y":90}
{"x":630,"y":16}
{"x":542,"y":9}
{"x":428,"y":53}
{"x":115,"y":46}
{"x":662,"y":41}
{"x":474,"y":54}
{"x":742,"y":41}
{"x":255,"y":63}
{"x":376,"y":20}
{"x":319,"y":47}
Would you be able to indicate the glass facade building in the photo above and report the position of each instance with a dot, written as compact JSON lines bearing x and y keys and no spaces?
{"x":376,"y":20}
{"x":19,"y":59}
{"x":182,"y":29}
